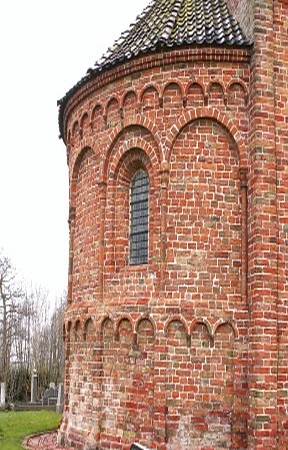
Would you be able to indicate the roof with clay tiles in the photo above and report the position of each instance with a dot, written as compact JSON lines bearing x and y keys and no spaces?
{"x":174,"y":23}
{"x":169,"y":24}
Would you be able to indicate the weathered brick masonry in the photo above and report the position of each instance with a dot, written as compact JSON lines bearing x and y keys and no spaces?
{"x":189,"y":350}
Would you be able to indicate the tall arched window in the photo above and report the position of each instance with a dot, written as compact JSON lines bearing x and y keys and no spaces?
{"x":139,"y":218}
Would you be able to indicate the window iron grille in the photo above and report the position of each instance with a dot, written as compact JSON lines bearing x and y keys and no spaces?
{"x":139,"y":218}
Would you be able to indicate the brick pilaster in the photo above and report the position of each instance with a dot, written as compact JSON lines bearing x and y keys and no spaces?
{"x":262,"y":237}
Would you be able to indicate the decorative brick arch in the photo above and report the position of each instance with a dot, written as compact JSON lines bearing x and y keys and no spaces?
{"x":146,"y":317}
{"x":120,"y":129}
{"x":120,"y":319}
{"x":110,"y":101}
{"x":131,"y":151}
{"x":84,"y":121}
{"x":126,"y":95}
{"x":114,"y":155}
{"x":198,"y":83}
{"x":222,"y":322}
{"x":103,"y":320}
{"x":216,"y":84}
{"x":78,"y":330}
{"x":152,"y":86}
{"x":171,"y":82}
{"x":83,"y":184}
{"x":88,"y":144}
{"x":67,"y":329}
{"x":204,"y":321}
{"x":75,"y":128}
{"x":97,"y":107}
{"x":89,"y":325}
{"x":241,"y":83}
{"x":176,"y":318}
{"x":130,"y":157}
{"x":208,"y":113}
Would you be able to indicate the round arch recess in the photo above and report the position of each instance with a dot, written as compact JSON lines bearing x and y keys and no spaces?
{"x":132,"y":136}
{"x":191,"y":116}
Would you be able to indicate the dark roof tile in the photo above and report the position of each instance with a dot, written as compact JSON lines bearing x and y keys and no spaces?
{"x":168,"y":24}
{"x":174,"y":23}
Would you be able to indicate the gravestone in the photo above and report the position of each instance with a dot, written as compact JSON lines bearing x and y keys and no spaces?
{"x":51,"y":391}
{"x":59,"y":404}
{"x":2,"y":395}
{"x":34,"y":386}
{"x":44,"y":398}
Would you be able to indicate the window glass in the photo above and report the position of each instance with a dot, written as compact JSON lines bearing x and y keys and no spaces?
{"x":139,"y":196}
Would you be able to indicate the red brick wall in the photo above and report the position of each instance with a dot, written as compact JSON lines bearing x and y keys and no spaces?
{"x":158,"y":353}
{"x":85,"y":242}
{"x":267,"y":237}
{"x":281,"y":116}
{"x":189,"y":350}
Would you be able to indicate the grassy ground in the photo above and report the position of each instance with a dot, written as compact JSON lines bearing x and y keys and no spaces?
{"x":14,"y":426}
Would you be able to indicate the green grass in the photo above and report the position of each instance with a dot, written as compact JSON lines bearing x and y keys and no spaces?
{"x":15,"y":426}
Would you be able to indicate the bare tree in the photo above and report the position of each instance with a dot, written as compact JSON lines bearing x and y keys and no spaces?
{"x":30,"y":335}
{"x":44,"y":332}
{"x":56,"y":360}
{"x":10,"y":295}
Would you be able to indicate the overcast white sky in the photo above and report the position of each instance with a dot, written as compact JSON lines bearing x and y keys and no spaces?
{"x":46,"y":47}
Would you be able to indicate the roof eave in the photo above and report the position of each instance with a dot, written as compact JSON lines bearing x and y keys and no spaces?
{"x":92,"y":74}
